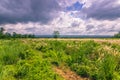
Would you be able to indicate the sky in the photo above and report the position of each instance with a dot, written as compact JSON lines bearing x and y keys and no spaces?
{"x":69,"y":17}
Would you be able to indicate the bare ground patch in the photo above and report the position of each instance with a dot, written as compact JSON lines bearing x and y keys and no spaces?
{"x":67,"y":74}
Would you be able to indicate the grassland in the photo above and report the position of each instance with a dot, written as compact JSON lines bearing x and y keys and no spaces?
{"x":60,"y":59}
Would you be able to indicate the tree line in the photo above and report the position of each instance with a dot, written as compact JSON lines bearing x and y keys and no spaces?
{"x":4,"y":35}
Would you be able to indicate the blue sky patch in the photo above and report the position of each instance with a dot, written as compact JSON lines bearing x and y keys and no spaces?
{"x":75,"y":7}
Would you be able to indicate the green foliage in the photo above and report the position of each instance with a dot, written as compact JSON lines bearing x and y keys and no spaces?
{"x":34,"y":59}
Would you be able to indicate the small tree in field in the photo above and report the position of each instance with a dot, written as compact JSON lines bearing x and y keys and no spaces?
{"x":56,"y":34}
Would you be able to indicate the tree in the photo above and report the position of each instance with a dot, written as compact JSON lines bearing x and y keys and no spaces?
{"x":56,"y":34}
{"x":14,"y":35}
{"x":7,"y":35}
{"x":2,"y":32}
{"x":117,"y":35}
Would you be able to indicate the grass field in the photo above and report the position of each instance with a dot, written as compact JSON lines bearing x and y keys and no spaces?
{"x":60,"y":59}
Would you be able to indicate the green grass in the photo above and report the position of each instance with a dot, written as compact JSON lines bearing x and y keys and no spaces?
{"x":34,"y":59}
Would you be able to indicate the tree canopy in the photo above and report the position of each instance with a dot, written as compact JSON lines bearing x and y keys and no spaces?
{"x":56,"y":34}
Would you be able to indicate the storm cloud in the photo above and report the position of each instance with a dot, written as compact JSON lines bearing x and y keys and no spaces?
{"x":15,"y":11}
{"x":104,"y":10}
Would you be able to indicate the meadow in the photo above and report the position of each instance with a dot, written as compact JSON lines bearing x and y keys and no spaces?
{"x":60,"y":59}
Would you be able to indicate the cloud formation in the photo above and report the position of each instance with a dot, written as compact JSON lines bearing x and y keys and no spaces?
{"x":14,"y":11}
{"x":82,"y":17}
{"x":104,"y":10}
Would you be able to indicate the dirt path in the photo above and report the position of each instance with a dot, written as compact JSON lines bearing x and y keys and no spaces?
{"x":68,"y":74}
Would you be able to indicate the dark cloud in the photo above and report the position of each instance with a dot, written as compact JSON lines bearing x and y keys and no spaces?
{"x":75,"y":24}
{"x":33,"y":29}
{"x":14,"y":11}
{"x":103,"y":10}
{"x":89,"y":27}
